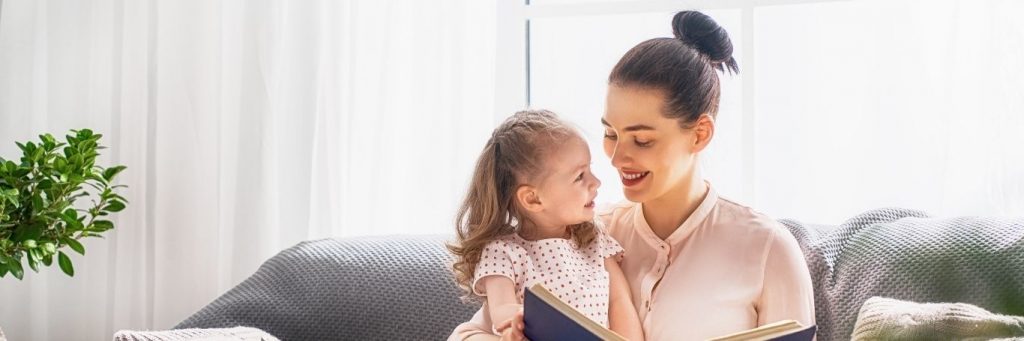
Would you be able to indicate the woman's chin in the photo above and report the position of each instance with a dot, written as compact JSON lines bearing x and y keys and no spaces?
{"x":635,"y":195}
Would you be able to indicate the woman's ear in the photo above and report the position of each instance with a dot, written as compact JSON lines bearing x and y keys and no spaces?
{"x":528,"y":199}
{"x":703,"y":130}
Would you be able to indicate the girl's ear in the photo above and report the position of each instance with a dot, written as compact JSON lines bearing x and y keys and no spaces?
{"x":704,"y":130}
{"x":528,"y":199}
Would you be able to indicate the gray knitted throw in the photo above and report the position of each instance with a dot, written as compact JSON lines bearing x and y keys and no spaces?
{"x":906,"y":255}
{"x":382,"y":288}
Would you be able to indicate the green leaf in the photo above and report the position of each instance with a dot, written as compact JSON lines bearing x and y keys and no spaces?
{"x":33,"y":262}
{"x":45,"y":184}
{"x":37,"y":203}
{"x":3,"y":270}
{"x":65,"y":264}
{"x":74,"y":245}
{"x":60,"y":163}
{"x":114,"y":206}
{"x":102,"y":225}
{"x":21,"y":172}
{"x":72,"y":224}
{"x":16,"y":269}
{"x":33,"y":231}
{"x":71,"y":213}
{"x":37,"y":155}
{"x":48,"y":260}
{"x":48,"y":142}
{"x":111,"y":172}
{"x":29,"y":244}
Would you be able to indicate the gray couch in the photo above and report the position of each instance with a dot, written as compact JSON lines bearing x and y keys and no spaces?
{"x":400,"y":288}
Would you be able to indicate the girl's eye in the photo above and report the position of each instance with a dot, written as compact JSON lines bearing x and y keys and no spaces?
{"x":642,"y":143}
{"x":610,"y":136}
{"x":580,"y":177}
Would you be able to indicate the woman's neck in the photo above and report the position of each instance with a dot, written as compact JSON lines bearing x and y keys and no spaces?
{"x":666,"y":213}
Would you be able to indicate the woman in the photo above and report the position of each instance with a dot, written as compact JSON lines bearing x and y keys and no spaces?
{"x":698,"y":265}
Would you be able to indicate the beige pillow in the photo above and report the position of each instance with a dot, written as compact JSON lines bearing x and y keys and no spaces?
{"x":890,"y":319}
{"x":196,"y":334}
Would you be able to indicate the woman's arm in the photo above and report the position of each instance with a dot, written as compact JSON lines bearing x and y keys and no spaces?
{"x":787,"y":292}
{"x":622,"y":316}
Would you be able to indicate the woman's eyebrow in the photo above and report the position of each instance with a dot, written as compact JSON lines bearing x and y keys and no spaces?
{"x":634,"y":127}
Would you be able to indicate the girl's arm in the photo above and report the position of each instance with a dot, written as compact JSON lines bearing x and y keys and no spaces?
{"x":622,"y":316}
{"x":503,"y":308}
{"x":501,"y":298}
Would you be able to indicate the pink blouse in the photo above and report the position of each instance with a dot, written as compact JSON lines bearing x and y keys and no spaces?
{"x":727,"y":268}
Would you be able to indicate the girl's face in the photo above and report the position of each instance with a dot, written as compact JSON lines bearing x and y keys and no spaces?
{"x":652,"y":153}
{"x":567,"y":188}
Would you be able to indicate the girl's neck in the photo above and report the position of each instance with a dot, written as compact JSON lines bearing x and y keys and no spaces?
{"x":666,"y":213}
{"x":530,"y":231}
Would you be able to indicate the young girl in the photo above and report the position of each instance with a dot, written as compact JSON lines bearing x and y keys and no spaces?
{"x":528,"y":218}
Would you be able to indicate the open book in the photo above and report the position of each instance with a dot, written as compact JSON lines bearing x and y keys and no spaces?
{"x":548,"y":318}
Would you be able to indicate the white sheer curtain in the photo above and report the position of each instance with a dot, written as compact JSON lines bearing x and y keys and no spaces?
{"x":913,"y":104}
{"x":856,"y":104}
{"x":246,"y":126}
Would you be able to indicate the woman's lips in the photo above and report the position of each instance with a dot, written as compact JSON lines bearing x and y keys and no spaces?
{"x":630,"y":179}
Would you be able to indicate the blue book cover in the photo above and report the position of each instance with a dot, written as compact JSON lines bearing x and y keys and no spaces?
{"x":547,"y":318}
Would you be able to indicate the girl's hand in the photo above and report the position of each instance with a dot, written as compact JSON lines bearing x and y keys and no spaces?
{"x":512,"y":329}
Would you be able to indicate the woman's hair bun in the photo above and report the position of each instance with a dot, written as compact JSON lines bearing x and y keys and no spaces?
{"x":699,"y":31}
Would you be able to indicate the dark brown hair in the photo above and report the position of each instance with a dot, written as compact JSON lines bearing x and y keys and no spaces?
{"x":512,"y":157}
{"x":684,"y":68}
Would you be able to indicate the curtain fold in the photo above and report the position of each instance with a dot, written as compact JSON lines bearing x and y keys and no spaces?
{"x":247,"y":127}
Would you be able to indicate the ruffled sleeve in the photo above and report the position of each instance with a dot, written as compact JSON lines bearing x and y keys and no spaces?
{"x":496,"y":260}
{"x":606,"y":246}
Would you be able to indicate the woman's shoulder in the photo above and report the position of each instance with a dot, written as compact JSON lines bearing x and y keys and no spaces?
{"x":606,"y":213}
{"x":732,"y":213}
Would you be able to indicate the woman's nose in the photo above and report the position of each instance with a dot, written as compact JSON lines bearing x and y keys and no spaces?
{"x":619,"y":156}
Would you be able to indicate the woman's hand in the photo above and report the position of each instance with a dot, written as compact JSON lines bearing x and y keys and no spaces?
{"x":512,"y":329}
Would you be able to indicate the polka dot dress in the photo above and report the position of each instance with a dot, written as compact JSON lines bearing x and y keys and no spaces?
{"x":576,"y":276}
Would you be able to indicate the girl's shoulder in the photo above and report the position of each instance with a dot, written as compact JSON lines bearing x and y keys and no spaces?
{"x":510,"y":243}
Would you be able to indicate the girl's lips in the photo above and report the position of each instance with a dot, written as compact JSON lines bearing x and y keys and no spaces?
{"x":630,"y":179}
{"x":589,"y":204}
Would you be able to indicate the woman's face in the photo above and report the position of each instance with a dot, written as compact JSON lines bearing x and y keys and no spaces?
{"x":652,"y":153}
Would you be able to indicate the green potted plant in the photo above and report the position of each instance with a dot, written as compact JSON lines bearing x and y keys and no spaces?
{"x":40,"y":202}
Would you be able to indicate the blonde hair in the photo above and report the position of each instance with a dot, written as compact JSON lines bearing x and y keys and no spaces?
{"x":512,"y":157}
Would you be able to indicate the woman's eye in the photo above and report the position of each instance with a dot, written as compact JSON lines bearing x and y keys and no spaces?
{"x":579,"y":177}
{"x":610,"y":136}
{"x":642,"y":143}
